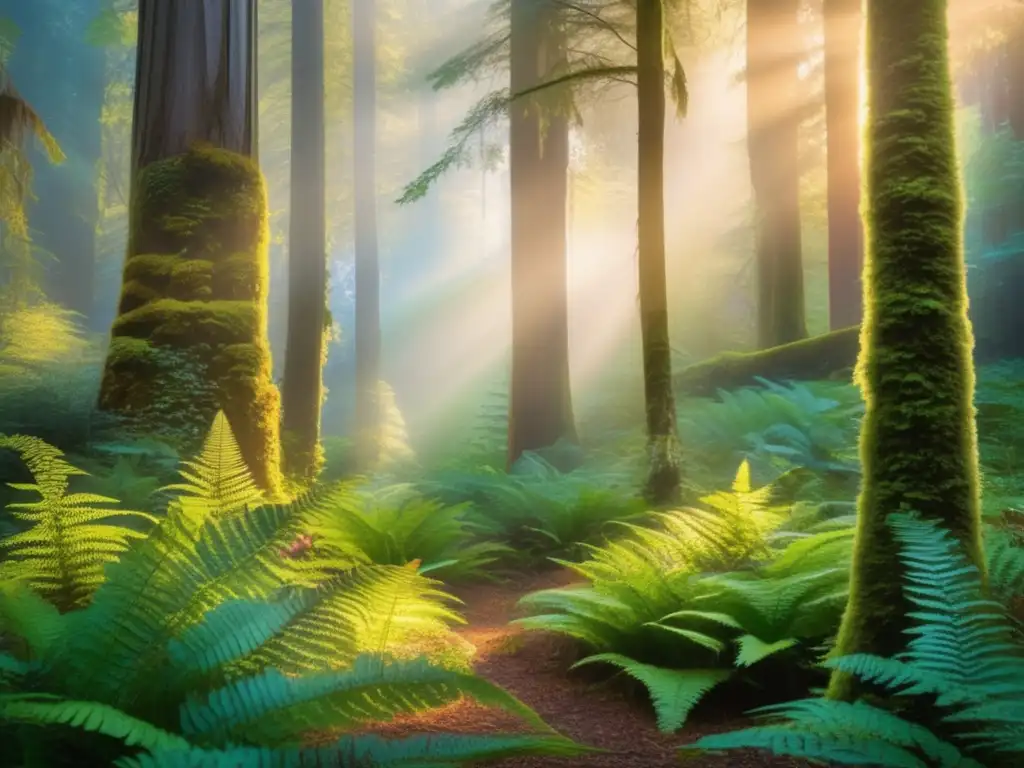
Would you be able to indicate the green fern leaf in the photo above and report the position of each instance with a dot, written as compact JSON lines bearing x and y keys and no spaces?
{"x":274,"y":709}
{"x":36,"y":709}
{"x":218,"y":475}
{"x":674,"y":692}
{"x":754,"y":649}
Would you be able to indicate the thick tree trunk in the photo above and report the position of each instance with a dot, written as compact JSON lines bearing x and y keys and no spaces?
{"x":773,"y":123}
{"x":368,"y":416}
{"x":540,"y":410}
{"x":918,"y":445}
{"x":302,"y":388}
{"x":190,"y":337}
{"x":663,"y":482}
{"x":842,"y":108}
{"x":195,"y":75}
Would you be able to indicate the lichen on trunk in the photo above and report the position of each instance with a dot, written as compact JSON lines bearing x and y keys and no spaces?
{"x":195,"y":287}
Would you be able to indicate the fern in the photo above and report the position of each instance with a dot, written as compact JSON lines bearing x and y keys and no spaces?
{"x":395,"y":526}
{"x":424,"y":751}
{"x":959,"y":655}
{"x":218,"y":476}
{"x":206,"y":641}
{"x":69,"y":540}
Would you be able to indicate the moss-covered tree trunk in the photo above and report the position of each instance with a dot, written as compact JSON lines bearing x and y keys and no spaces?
{"x":842,"y":109}
{"x":773,"y":124}
{"x":368,"y":411}
{"x":302,"y":387}
{"x":663,"y":483}
{"x":540,"y":407}
{"x":918,"y":442}
{"x":190,"y":335}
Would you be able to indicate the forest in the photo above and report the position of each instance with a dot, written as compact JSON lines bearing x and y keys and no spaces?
{"x":515,"y":383}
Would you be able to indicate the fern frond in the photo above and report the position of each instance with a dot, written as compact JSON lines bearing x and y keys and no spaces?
{"x":67,"y":546}
{"x":368,"y":751}
{"x":32,"y":626}
{"x":274,"y":709}
{"x":219,"y":475}
{"x":37,"y":709}
{"x":674,"y":692}
{"x":371,"y":609}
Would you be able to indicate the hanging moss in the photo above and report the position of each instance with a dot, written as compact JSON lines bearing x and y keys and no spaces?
{"x":918,"y":444}
{"x":195,"y":280}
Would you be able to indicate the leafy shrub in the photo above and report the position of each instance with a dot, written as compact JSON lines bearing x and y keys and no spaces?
{"x":663,"y":605}
{"x":396,"y":526}
{"x":776,"y":427}
{"x":960,"y":656}
{"x":540,"y":513}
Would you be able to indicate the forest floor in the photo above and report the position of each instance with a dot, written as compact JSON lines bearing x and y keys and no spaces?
{"x":534,"y":667}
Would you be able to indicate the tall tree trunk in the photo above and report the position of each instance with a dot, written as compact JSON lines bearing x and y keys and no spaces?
{"x":918,"y":444}
{"x":842,"y":112}
{"x":302,"y":388}
{"x":540,"y":408}
{"x":368,"y":417}
{"x":773,"y":124}
{"x":191,"y":332}
{"x":663,"y":483}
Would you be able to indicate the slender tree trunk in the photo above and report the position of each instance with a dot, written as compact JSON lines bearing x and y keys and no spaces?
{"x":540,"y":409}
{"x":842,"y":110}
{"x":302,"y":388}
{"x":190,"y":336}
{"x":918,"y":444}
{"x":663,"y":483}
{"x":773,"y":123}
{"x":368,"y":415}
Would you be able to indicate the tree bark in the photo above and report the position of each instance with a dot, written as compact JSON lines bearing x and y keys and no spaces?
{"x":368,"y":416}
{"x":918,"y":444}
{"x":540,"y":409}
{"x":663,"y":482}
{"x":190,"y":337}
{"x":842,"y":110}
{"x":196,"y":62}
{"x":302,"y":386}
{"x":773,"y":123}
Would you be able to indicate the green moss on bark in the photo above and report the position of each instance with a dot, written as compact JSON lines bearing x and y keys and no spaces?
{"x":196,"y":279}
{"x":918,"y":442}
{"x":819,"y":357}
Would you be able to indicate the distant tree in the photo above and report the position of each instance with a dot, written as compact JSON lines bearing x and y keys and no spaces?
{"x":368,"y":411}
{"x":842,"y":114}
{"x":61,"y":72}
{"x":194,"y":292}
{"x":18,"y":122}
{"x":540,"y":403}
{"x":774,"y":52}
{"x":918,"y":443}
{"x":302,"y":388}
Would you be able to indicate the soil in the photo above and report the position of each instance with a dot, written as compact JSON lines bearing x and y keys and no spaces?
{"x":534,"y":667}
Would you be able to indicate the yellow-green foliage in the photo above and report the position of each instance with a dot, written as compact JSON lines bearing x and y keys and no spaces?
{"x":218,"y":476}
{"x":71,"y":536}
{"x":196,"y":278}
{"x":918,"y":444}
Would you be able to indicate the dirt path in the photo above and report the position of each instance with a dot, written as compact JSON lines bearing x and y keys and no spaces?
{"x":533,"y":667}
